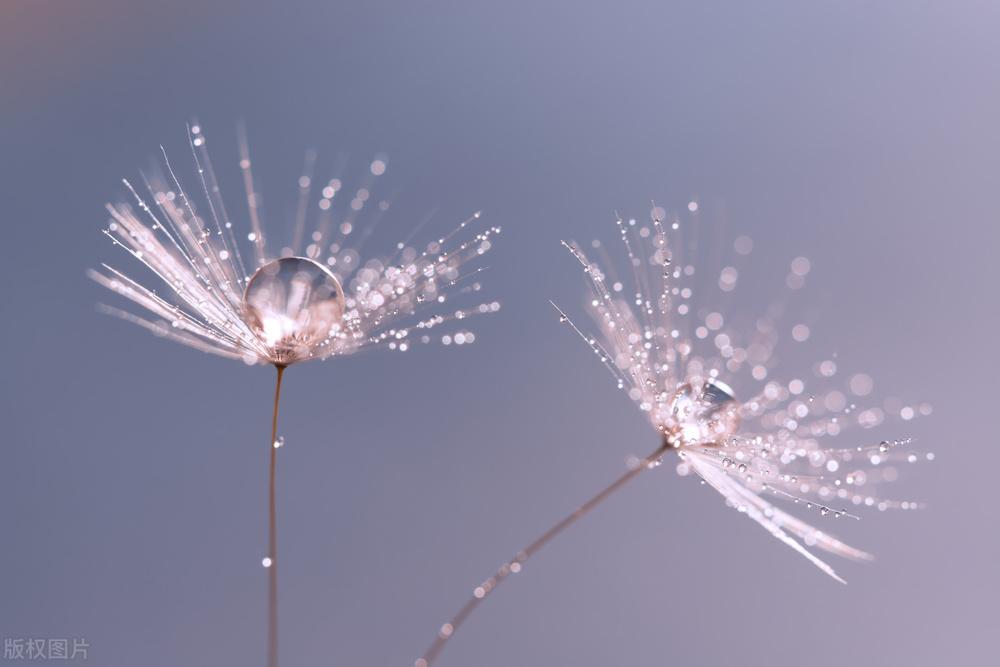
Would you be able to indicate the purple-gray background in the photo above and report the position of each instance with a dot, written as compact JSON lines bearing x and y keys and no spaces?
{"x":861,"y":134}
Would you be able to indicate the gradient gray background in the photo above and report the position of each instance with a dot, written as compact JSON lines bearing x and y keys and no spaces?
{"x":862,"y":134}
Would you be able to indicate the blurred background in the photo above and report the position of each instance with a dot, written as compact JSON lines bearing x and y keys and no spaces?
{"x":132,"y":486}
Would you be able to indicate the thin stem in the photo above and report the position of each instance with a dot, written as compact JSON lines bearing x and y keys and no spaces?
{"x":272,"y":535}
{"x":514,"y":565}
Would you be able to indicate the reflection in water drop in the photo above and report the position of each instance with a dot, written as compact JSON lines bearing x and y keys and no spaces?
{"x":292,"y":304}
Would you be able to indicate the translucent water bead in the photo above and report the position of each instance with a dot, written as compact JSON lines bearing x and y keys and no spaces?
{"x":703,"y":415}
{"x":293,"y":304}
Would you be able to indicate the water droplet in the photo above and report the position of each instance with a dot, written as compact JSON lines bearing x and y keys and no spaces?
{"x":280,"y":442}
{"x":704,"y":415}
{"x":292,"y":304}
{"x":883,"y":446}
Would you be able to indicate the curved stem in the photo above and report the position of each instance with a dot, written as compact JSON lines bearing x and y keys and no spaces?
{"x":272,"y":535}
{"x":513,"y":566}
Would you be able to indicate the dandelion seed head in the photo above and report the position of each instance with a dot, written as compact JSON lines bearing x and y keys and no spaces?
{"x":320,"y":296}
{"x":772,"y":441}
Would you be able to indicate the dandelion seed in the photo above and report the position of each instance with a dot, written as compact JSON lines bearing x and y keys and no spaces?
{"x":770,"y":444}
{"x":279,"y":306}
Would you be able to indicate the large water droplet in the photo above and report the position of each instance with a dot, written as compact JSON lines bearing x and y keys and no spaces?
{"x":292,"y":304}
{"x":703,"y":415}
